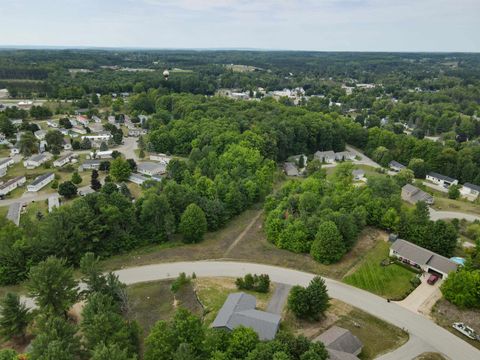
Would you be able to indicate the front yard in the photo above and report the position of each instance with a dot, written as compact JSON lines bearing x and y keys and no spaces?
{"x":391,"y":282}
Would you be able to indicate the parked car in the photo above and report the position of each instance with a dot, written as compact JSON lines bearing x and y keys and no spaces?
{"x":432,"y":279}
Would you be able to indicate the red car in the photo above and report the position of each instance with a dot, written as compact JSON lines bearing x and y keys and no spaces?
{"x":432,"y":279}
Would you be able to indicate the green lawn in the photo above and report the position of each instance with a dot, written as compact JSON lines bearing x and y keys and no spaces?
{"x":460,"y":205}
{"x":392,"y":281}
{"x":430,"y":356}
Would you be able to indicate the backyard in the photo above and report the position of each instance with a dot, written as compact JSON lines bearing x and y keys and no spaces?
{"x":391,"y":281}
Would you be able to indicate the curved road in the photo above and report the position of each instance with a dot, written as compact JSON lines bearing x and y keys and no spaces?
{"x":422,"y":329}
{"x":442,"y":215}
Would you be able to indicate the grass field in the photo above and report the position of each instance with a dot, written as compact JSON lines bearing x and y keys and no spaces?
{"x":392,"y":281}
{"x":461,"y":205}
{"x":430,"y":356}
{"x":377,"y":336}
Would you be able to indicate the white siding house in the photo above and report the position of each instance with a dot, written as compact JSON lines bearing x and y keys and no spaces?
{"x":163,"y":158}
{"x":470,"y":191}
{"x":11,"y":185}
{"x":65,"y":159}
{"x":40,"y":182}
{"x":37,"y":160}
{"x":5,"y":163}
{"x":151,"y":168}
{"x":441,"y":180}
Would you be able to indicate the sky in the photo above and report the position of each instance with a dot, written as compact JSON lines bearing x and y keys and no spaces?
{"x":322,"y":25}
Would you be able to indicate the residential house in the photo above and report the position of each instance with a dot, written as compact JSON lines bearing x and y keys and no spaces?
{"x":5,"y":163}
{"x":16,"y":122}
{"x":470,"y":191}
{"x":107,"y":154}
{"x":13,"y":213}
{"x":358,"y":175}
{"x":79,"y":130}
{"x":151,"y":168}
{"x":160,"y":157}
{"x":421,"y":258}
{"x":290,"y":169}
{"x":344,"y":155}
{"x":98,"y":137}
{"x":12,"y":184}
{"x":82,"y":120}
{"x":239,"y":310}
{"x":64,"y":131}
{"x":90,"y":165}
{"x":53,"y":202}
{"x":96,"y":119}
{"x":3,"y":172}
{"x":40,"y":182}
{"x":40,"y":134}
{"x":35,"y":161}
{"x":296,"y":159}
{"x":412,"y":194}
{"x":325,"y":156}
{"x":65,"y":159}
{"x":137,"y":179}
{"x":136,"y":132}
{"x":42,"y":146}
{"x":441,"y":180}
{"x":85,"y":190}
{"x":396,"y":166}
{"x":340,"y":343}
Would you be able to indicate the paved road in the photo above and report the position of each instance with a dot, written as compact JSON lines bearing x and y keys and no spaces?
{"x":279,"y":298}
{"x":364,"y":159}
{"x":414,"y":347}
{"x":442,"y":215}
{"x":429,"y":334}
{"x":26,"y":198}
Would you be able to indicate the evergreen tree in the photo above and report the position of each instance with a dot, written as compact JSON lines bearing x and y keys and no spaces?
{"x":328,"y":246}
{"x":193,"y":224}
{"x":94,"y":182}
{"x":14,"y":317}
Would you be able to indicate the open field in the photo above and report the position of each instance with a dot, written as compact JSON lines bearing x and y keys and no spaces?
{"x":378,"y":337}
{"x":445,"y":314}
{"x":391,"y":282}
{"x":460,"y":205}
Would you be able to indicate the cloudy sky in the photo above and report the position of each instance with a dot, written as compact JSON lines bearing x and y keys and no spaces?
{"x":345,"y":25}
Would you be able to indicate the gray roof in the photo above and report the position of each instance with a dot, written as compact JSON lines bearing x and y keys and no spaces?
{"x":290,"y":169}
{"x":340,"y":340}
{"x":324,"y":154}
{"x":441,"y":177}
{"x":472,"y":186}
{"x":4,"y":161}
{"x":151,"y":166}
{"x":340,"y":355}
{"x":415,"y":194}
{"x":11,"y":181}
{"x":37,"y":158}
{"x":40,"y":178}
{"x":423,"y":256}
{"x":239,"y":310}
{"x":358,"y":172}
{"x":92,"y":161}
{"x":14,"y":213}
{"x":396,"y":164}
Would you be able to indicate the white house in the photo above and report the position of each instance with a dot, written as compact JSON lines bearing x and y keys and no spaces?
{"x":151,"y":168}
{"x":96,"y":119}
{"x":5,"y":163}
{"x":160,"y":157}
{"x":65,"y":159}
{"x":470,"y":191}
{"x":107,"y":154}
{"x":358,"y":175}
{"x":344,"y":155}
{"x":325,"y":156}
{"x":12,"y":184}
{"x":101,"y":136}
{"x":37,"y":160}
{"x":137,"y":179}
{"x":396,"y":166}
{"x":40,"y":134}
{"x":40,"y":182}
{"x":441,"y":180}
{"x":82,"y":120}
{"x":64,"y":131}
{"x":90,"y":165}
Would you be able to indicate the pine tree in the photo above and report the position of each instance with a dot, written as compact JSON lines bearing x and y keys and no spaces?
{"x":95,"y":183}
{"x":14,"y":317}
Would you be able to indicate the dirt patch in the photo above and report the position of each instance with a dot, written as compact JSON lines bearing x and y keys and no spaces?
{"x":445,"y":314}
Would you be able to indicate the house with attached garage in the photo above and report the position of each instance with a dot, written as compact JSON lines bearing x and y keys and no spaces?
{"x":65,"y":159}
{"x":151,"y":168}
{"x":325,"y":156}
{"x":239,"y":310}
{"x":412,"y":194}
{"x":5,"y":163}
{"x":40,"y":182}
{"x":396,"y":166}
{"x":340,"y":343}
{"x":12,"y":184}
{"x":470,"y":191}
{"x":441,"y":180}
{"x":36,"y":160}
{"x":422,"y":259}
